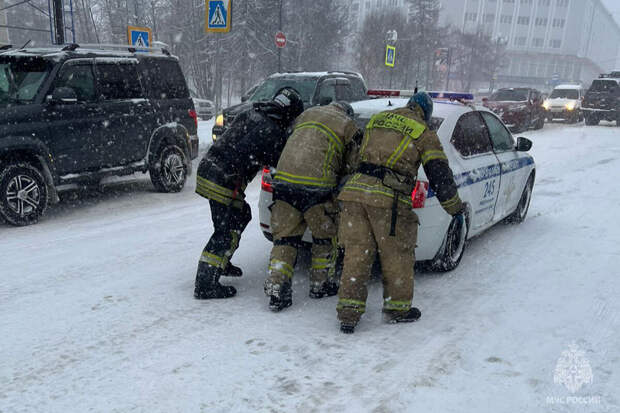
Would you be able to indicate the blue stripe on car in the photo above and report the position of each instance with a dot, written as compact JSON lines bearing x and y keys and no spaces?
{"x":487,"y":172}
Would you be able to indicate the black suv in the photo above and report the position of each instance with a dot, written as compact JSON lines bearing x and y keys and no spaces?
{"x":602,"y":100}
{"x":315,"y":88}
{"x":76,"y":115}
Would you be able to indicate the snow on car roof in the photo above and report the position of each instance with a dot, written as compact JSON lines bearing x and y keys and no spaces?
{"x":568,"y":87}
{"x":442,"y":108}
{"x":313,"y":74}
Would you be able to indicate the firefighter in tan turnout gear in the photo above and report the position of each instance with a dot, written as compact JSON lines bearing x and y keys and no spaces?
{"x":320,"y":151}
{"x":376,"y":213}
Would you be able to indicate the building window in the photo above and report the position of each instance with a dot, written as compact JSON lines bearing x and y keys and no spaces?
{"x":526,"y":1}
{"x":544,"y":3}
{"x":489,"y":18}
{"x":555,"y":43}
{"x":558,"y":22}
{"x":505,"y":19}
{"x":509,"y":1}
{"x":523,"y":20}
{"x":538,"y":42}
{"x":541,"y":21}
{"x":562,"y":3}
{"x":520,"y":41}
{"x":471,"y":17}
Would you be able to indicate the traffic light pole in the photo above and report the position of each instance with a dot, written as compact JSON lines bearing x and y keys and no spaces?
{"x":59,"y":22}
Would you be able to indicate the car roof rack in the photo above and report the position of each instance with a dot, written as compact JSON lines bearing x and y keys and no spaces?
{"x":118,"y":47}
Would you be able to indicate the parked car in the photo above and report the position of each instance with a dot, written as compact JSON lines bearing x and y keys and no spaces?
{"x":71,"y":115}
{"x":519,"y":108}
{"x":495,"y":176}
{"x":602,"y":100}
{"x":316,"y":88}
{"x":564,"y":103}
{"x":205,"y":109}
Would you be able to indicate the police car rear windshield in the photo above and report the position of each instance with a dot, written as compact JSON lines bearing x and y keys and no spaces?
{"x":21,"y":78}
{"x":305,"y":87}
{"x":600,"y":85}
{"x":564,"y":94}
{"x":509,"y":95}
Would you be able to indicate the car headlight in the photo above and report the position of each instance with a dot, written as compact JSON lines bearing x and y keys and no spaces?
{"x":546,"y":105}
{"x":219,"y":121}
{"x":570,"y":105}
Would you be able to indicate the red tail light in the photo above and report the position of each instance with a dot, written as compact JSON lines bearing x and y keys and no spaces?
{"x":192,"y":114}
{"x":265,"y":182}
{"x":418,"y":196}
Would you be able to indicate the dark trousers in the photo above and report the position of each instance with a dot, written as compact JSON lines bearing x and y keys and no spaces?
{"x":228,"y":225}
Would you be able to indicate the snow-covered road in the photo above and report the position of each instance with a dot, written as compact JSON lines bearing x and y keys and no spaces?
{"x":97,"y":313}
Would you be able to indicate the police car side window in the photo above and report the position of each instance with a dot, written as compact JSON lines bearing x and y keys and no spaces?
{"x":470,"y":136}
{"x":500,"y":136}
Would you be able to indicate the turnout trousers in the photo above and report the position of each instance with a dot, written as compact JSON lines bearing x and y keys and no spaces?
{"x":288,"y":225}
{"x":228,"y":224}
{"x":364,"y":231}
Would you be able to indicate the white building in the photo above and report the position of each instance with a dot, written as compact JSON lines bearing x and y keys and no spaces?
{"x":4,"y":32}
{"x":548,"y":40}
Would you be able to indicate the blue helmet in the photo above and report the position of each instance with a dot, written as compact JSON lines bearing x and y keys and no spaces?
{"x":424,"y":101}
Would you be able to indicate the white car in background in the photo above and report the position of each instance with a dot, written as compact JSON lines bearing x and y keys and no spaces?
{"x":494,"y":174}
{"x":564,"y":103}
{"x":205,"y":109}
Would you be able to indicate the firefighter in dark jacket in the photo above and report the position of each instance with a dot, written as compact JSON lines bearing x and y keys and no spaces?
{"x":376,"y":214}
{"x":255,"y":138}
{"x":322,"y":149}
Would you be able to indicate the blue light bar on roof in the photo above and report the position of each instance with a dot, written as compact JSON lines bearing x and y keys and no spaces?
{"x":451,"y":95}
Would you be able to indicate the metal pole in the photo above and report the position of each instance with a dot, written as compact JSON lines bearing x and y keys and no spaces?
{"x":449,"y":64}
{"x":279,"y":48}
{"x":49,"y":9}
{"x":72,"y":21}
{"x":59,"y":24}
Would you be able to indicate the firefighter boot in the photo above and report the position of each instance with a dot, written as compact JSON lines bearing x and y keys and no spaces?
{"x":347,"y":328}
{"x":280,"y":295}
{"x":393,"y":317}
{"x":208,"y":286}
{"x":233,"y":271}
{"x":325,"y":289}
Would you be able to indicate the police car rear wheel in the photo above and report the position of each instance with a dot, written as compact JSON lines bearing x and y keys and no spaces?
{"x":23,"y":194}
{"x":453,"y":247}
{"x":168,"y":172}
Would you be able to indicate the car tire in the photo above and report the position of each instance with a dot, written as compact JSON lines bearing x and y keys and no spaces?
{"x":168,"y":171}
{"x":23,"y":194}
{"x":523,"y":206}
{"x":452,"y":248}
{"x":592,"y":120}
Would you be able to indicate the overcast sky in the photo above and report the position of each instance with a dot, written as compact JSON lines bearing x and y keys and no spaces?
{"x":614,"y":7}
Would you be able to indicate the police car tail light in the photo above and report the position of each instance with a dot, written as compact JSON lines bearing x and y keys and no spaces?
{"x":192,"y":114}
{"x":418,"y":196}
{"x":265,"y":182}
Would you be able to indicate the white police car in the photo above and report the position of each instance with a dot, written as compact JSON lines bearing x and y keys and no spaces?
{"x":494,"y":174}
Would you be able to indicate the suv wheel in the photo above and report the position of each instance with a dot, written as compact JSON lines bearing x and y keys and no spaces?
{"x":23,"y":194}
{"x":168,"y":171}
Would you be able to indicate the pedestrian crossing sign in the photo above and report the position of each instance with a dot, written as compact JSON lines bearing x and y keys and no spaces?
{"x":139,"y":37}
{"x":218,"y":16}
{"x":390,"y":56}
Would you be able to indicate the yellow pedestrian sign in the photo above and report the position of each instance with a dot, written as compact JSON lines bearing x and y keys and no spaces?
{"x":218,"y":16}
{"x":390,"y":56}
{"x":139,"y":37}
